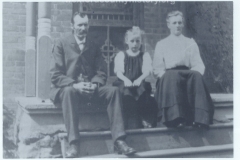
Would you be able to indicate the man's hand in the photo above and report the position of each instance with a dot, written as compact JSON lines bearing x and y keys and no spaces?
{"x":93,"y":87}
{"x":85,"y":88}
{"x":137,"y":82}
{"x":128,"y":83}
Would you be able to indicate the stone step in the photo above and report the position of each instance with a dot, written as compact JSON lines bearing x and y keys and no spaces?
{"x":38,"y":123}
{"x":217,"y":151}
{"x":143,"y":140}
{"x":34,"y":105}
{"x":94,"y":118}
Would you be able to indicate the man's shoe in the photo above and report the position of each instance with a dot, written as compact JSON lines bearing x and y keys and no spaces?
{"x":72,"y":152}
{"x":121,"y":147}
{"x":181,"y":126}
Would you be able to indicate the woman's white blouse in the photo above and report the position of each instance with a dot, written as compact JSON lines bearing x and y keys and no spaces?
{"x":176,"y":51}
{"x":119,"y":62}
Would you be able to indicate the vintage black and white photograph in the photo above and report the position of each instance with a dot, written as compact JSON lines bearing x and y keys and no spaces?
{"x":126,"y":79}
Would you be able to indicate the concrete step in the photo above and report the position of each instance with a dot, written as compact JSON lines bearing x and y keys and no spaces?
{"x":218,"y":151}
{"x":38,"y":123}
{"x":94,"y":118}
{"x":34,"y":105}
{"x":223,"y":107}
{"x":146,"y":140}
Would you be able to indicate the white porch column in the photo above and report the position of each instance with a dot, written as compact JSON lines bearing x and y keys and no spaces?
{"x":30,"y":56}
{"x":44,"y":48}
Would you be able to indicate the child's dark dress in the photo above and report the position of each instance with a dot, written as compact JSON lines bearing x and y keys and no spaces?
{"x":137,"y":100}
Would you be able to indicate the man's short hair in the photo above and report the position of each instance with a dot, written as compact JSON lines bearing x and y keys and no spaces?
{"x":82,"y":15}
{"x":174,"y":13}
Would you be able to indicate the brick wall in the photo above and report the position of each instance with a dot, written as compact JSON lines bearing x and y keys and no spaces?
{"x":14,"y":18}
{"x":61,"y":15}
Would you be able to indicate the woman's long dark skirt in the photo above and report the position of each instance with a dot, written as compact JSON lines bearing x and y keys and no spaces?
{"x":138,"y":104}
{"x":183,"y":94}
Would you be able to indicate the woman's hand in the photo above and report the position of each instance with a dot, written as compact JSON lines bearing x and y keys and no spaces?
{"x":127,"y":83}
{"x":137,"y":82}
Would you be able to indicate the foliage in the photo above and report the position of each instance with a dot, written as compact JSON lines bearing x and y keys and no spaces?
{"x":211,"y":25}
{"x":9,"y":148}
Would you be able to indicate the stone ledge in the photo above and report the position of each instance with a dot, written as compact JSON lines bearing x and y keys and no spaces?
{"x":219,"y":97}
{"x":34,"y":105}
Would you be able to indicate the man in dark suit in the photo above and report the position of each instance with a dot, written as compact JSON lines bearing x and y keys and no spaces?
{"x":76,"y":75}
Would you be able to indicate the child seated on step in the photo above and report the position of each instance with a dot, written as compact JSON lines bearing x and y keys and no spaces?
{"x":132,"y":66}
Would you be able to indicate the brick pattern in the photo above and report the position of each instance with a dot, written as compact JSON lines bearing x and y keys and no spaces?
{"x":61,"y":19}
{"x":14,"y":19}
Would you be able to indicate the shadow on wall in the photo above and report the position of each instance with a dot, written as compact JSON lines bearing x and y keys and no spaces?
{"x":9,"y":148}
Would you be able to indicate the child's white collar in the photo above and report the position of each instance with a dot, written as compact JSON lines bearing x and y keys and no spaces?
{"x":130,"y":53}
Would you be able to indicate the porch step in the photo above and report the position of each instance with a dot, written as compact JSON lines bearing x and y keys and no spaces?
{"x":147,"y":141}
{"x":218,"y":151}
{"x":39,"y":120}
{"x":34,"y":105}
{"x":93,"y":118}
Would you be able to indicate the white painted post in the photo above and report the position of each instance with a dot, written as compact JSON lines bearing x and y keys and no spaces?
{"x":30,"y":56}
{"x":44,"y":48}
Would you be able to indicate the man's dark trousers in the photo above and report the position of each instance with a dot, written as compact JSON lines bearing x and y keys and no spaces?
{"x":70,"y":101}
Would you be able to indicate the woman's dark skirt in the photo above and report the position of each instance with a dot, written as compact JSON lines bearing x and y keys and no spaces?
{"x":138,"y":104}
{"x":182,"y":93}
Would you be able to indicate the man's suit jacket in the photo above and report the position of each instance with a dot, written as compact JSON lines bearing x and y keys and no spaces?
{"x":68,"y":62}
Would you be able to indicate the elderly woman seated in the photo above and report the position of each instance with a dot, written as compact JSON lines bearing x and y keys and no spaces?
{"x":181,"y":93}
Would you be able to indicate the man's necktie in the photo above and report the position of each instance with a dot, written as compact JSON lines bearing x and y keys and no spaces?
{"x":81,"y":46}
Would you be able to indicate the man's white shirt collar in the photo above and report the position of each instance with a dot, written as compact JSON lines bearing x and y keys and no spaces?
{"x":80,"y":42}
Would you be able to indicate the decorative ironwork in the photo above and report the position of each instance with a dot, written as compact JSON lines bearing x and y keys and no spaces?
{"x":108,"y":51}
{"x":107,"y":7}
{"x":110,"y":17}
{"x":108,"y":13}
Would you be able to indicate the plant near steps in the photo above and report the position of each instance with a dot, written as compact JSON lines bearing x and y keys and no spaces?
{"x":9,"y":148}
{"x":211,"y":25}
